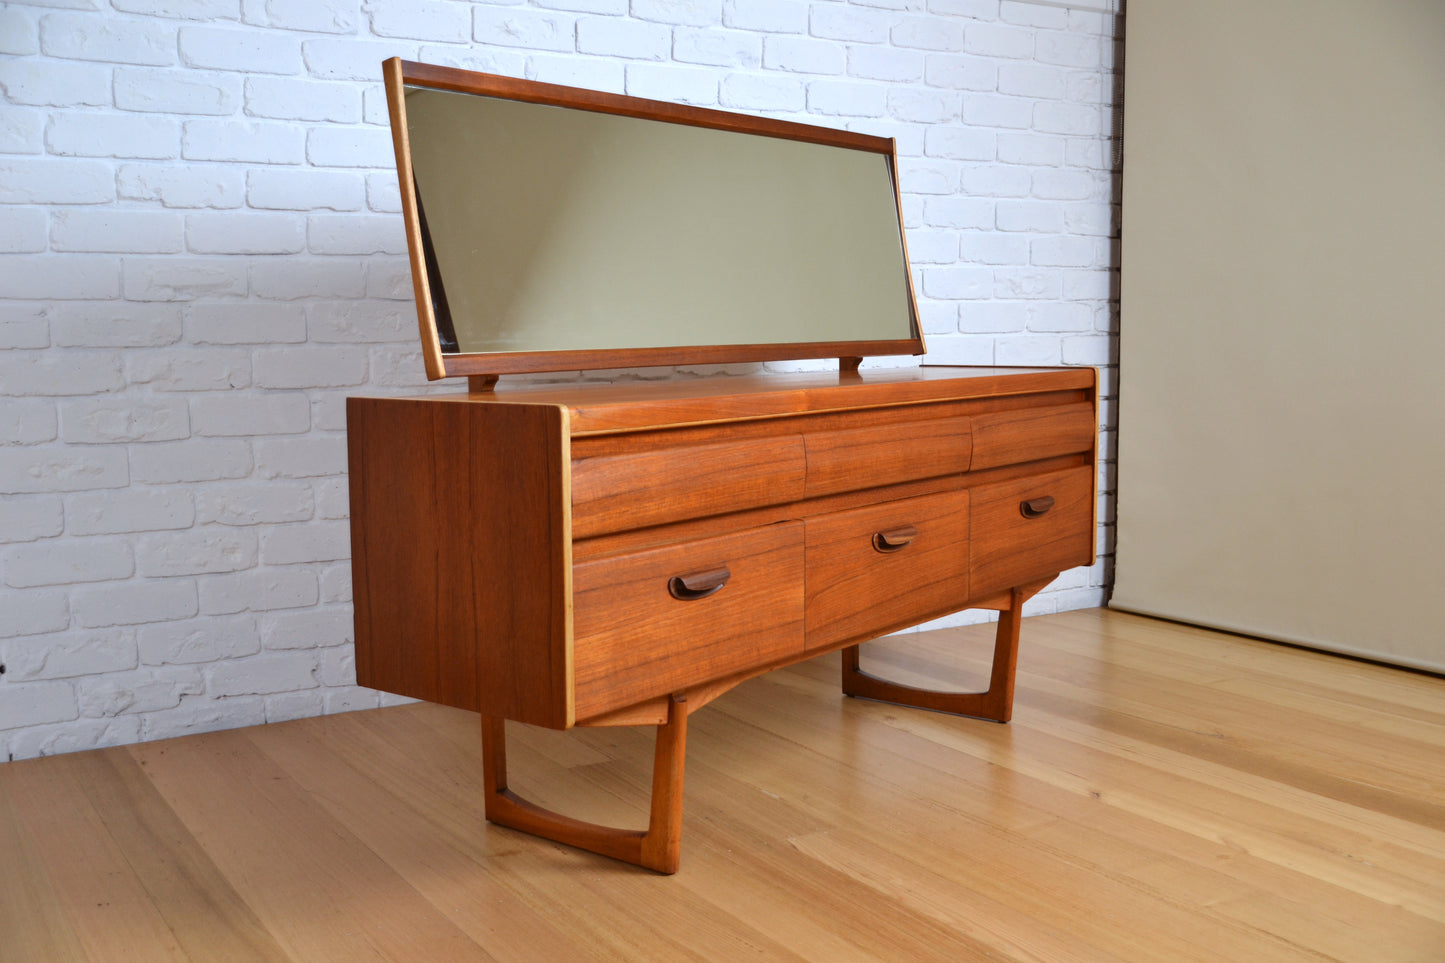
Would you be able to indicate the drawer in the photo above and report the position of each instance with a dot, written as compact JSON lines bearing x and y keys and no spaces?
{"x":1011,"y":545}
{"x":1015,"y":437}
{"x":859,"y":586}
{"x":618,"y":492}
{"x":633,"y":639}
{"x":856,"y":458}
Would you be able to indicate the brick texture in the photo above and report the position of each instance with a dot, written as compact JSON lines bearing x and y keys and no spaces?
{"x":201,"y":256}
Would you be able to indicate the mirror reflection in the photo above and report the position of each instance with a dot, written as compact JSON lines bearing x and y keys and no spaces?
{"x":557,"y":229}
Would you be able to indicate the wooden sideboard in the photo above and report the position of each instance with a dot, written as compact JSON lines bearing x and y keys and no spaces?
{"x":621,"y":554}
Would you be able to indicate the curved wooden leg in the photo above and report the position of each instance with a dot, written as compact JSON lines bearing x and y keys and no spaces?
{"x":995,"y":704}
{"x":659,"y":847}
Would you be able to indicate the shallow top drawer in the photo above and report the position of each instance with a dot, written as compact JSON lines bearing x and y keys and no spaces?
{"x":855,"y":458}
{"x":613,"y":493}
{"x":1015,"y":437}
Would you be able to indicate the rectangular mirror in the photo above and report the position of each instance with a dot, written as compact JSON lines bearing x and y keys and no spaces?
{"x":553,"y":229}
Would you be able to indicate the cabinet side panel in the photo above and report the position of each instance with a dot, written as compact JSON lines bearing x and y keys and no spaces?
{"x":461,"y":558}
{"x":394,"y":551}
{"x":516,"y":513}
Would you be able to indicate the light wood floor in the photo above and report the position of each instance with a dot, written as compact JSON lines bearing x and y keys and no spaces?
{"x":1163,"y":793}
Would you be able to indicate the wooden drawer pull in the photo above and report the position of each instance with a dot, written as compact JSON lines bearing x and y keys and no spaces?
{"x":894,"y":539}
{"x":689,"y":588}
{"x":1034,"y":507}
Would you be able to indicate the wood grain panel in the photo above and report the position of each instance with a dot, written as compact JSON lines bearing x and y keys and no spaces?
{"x":595,"y":408}
{"x":1008,"y":549}
{"x":853,"y":590}
{"x":461,"y":554}
{"x":857,"y":458}
{"x":645,"y":488}
{"x":635,"y":641}
{"x":1012,"y":437}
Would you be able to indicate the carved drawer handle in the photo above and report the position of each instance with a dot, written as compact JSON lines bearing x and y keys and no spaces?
{"x":895,"y":539}
{"x":690,"y":588}
{"x":1034,"y":507}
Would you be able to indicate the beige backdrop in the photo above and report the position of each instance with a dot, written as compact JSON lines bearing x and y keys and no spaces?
{"x":1282,"y":419}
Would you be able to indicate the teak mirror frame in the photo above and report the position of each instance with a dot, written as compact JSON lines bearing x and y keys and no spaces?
{"x":400,"y":74}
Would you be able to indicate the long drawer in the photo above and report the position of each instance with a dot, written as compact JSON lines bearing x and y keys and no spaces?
{"x":1030,"y":528}
{"x":871,"y":570}
{"x":649,"y":623}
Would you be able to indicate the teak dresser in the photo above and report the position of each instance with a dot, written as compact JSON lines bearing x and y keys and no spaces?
{"x":622,"y":554}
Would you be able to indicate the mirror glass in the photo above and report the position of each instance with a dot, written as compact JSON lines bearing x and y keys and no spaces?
{"x":555,"y":229}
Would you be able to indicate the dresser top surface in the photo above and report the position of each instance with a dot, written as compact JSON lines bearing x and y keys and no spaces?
{"x":640,"y":405}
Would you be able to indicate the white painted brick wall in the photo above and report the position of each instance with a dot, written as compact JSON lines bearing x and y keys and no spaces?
{"x":201,"y":257}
